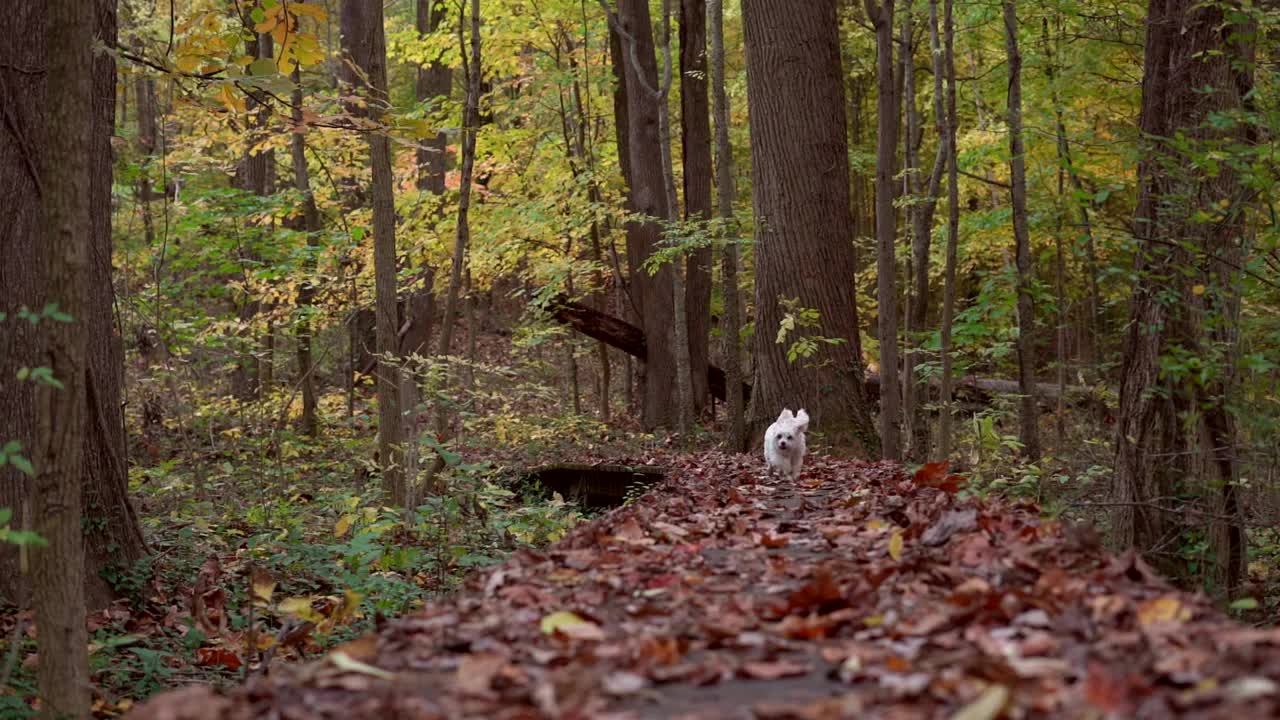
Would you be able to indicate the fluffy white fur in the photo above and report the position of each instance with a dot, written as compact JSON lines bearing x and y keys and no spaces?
{"x":784,"y":443}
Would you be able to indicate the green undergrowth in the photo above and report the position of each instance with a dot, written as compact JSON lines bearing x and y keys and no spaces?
{"x":269,"y":547}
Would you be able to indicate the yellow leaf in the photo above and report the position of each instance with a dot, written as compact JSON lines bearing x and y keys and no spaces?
{"x":343,"y":525}
{"x":315,"y":11}
{"x":895,"y":546}
{"x":876,"y":524}
{"x":299,"y":607}
{"x":187,"y":63}
{"x":1197,"y":290}
{"x":572,"y":625}
{"x":1164,"y":609}
{"x":343,"y":661}
{"x":263,"y":584}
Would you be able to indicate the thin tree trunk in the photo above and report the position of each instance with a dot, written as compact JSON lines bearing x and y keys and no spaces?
{"x":365,"y":46}
{"x":953,"y":231}
{"x":472,"y":74}
{"x":881,"y":13}
{"x":683,"y":361}
{"x":1029,"y":434}
{"x":695,"y":144}
{"x":735,"y":424}
{"x":1092,"y":348}
{"x":58,"y":456}
{"x":306,"y":291}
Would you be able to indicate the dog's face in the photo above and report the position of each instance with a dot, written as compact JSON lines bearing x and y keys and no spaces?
{"x":788,"y":431}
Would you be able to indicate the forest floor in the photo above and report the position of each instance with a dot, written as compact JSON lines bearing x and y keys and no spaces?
{"x":857,"y":591}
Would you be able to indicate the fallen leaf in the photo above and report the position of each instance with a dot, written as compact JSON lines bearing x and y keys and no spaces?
{"x":987,"y":706}
{"x":343,"y":661}
{"x":570,"y":625}
{"x":264,"y":586}
{"x":1164,"y":609}
{"x":773,"y":670}
{"x":218,"y":656}
{"x":623,"y":683}
{"x":476,"y":672}
{"x":895,"y":546}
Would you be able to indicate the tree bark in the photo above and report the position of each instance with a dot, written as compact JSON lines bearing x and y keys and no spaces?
{"x":364,"y":48}
{"x":23,"y":56}
{"x":801,"y":185}
{"x":953,"y":231}
{"x":61,"y":411}
{"x":880,"y":13}
{"x":653,"y":292}
{"x":735,"y":423}
{"x":433,"y":83}
{"x":1029,"y":433}
{"x":1184,"y":299}
{"x":695,"y":142}
{"x":306,"y":292}
{"x":112,"y":534}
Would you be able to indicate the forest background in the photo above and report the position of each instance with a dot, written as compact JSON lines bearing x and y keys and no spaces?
{"x":348,"y":270}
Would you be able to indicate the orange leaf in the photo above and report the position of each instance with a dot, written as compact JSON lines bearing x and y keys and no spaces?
{"x":210,"y":656}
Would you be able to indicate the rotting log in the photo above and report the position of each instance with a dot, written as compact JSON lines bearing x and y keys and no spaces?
{"x":631,"y":340}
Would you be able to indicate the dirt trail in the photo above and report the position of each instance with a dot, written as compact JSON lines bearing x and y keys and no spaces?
{"x":854,"y":593}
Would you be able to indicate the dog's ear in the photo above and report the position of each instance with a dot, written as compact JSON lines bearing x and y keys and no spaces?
{"x":802,"y":418}
{"x":785,"y":415}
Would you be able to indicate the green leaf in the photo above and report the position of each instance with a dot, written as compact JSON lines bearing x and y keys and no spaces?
{"x":1245,"y":603}
{"x":264,"y":66}
{"x":23,"y":465}
{"x":258,"y":15}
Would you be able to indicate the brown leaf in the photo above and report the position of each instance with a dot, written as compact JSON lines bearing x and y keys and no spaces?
{"x":220,"y":656}
{"x":773,"y":670}
{"x":476,"y":672}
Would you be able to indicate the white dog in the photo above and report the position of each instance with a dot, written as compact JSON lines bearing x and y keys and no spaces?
{"x":784,"y":443}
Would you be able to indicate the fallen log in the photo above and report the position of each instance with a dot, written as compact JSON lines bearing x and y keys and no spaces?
{"x":630,"y":339}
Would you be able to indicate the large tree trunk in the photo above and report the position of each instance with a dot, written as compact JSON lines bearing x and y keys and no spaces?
{"x":1187,"y":277}
{"x":805,"y":250}
{"x":364,"y":46}
{"x":60,"y":411}
{"x":1029,"y":433}
{"x":735,"y":423}
{"x":627,"y":288}
{"x":22,"y":277}
{"x":881,"y":14}
{"x":695,"y":141}
{"x":113,"y":536}
{"x":648,"y":198}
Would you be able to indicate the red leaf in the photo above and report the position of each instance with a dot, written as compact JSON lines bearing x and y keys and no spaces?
{"x":209,"y":656}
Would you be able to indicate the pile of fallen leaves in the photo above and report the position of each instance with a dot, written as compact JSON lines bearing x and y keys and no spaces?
{"x":856,"y":592}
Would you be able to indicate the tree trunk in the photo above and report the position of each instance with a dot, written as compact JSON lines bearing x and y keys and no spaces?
{"x":735,"y":423}
{"x":61,"y":411}
{"x":953,"y":231}
{"x":22,"y":272}
{"x":695,"y":143}
{"x":1184,"y":298}
{"x":364,"y":45}
{"x":1029,"y":433}
{"x":306,"y":291}
{"x":472,"y":73}
{"x":112,"y":534}
{"x":881,"y":16}
{"x":1092,"y":347}
{"x":434,"y":81}
{"x":648,"y":198}
{"x":805,"y":251}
